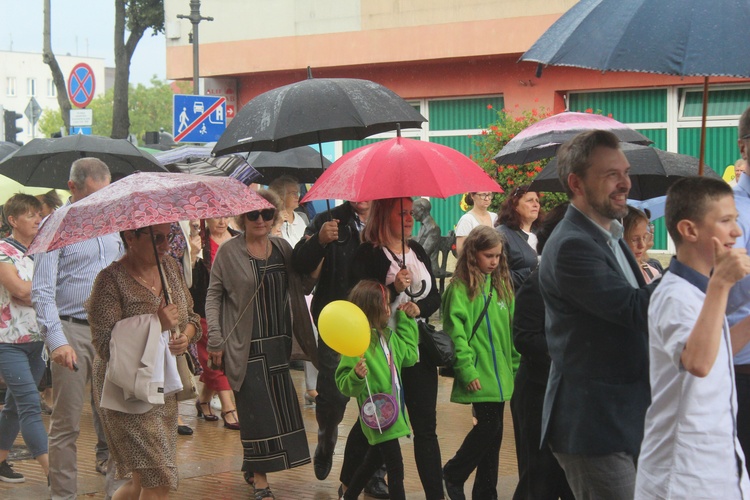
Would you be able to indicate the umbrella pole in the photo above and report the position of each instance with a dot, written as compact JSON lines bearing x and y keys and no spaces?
{"x":403,"y":252}
{"x":702,"y":153}
{"x":158,"y":265}
{"x":322,"y":166}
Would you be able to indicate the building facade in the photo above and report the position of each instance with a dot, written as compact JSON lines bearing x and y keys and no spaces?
{"x":456,"y":61}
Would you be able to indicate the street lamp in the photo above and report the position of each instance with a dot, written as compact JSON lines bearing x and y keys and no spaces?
{"x":195,"y":18}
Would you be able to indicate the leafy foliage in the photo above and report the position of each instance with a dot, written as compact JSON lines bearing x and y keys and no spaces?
{"x":150,"y":108}
{"x":498,"y":134}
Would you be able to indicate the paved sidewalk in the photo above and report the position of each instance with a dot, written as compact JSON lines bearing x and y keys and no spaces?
{"x":210,"y":459}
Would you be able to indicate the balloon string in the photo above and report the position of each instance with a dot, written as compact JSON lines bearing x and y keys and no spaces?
{"x":369,"y":393}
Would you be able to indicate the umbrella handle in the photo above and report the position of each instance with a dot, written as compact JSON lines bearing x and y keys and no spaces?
{"x":416,"y":294}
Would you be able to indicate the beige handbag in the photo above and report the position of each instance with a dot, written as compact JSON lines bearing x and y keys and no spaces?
{"x":189,"y":390}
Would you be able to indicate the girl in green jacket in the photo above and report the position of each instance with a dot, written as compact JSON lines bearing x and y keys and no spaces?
{"x":387,"y":350}
{"x":478,"y":310}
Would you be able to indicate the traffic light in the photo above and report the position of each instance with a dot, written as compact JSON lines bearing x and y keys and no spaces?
{"x":11,"y":129}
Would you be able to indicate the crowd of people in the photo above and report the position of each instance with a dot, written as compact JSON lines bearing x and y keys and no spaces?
{"x":624,"y":380}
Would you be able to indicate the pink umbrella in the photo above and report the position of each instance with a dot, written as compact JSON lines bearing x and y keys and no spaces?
{"x":401,"y":167}
{"x":145,"y":199}
{"x":541,"y":140}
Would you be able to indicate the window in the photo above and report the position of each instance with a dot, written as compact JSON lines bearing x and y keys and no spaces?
{"x":51,"y":89}
{"x":10,"y":86}
{"x":727,"y":104}
{"x":30,"y":87}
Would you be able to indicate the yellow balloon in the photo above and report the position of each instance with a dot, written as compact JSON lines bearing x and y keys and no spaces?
{"x":344,"y":328}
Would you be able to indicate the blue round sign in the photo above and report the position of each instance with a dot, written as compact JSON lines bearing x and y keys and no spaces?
{"x":81,"y":85}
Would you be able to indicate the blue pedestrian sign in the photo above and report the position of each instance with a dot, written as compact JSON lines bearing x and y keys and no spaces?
{"x":199,"y":118}
{"x":80,"y":130}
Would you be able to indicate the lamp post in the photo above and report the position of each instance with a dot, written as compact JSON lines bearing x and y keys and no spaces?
{"x":195,"y":18}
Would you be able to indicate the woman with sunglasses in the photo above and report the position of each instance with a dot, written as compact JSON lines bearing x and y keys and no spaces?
{"x":479,"y":215}
{"x":255,"y":305}
{"x":143,"y":444}
{"x":520,"y":215}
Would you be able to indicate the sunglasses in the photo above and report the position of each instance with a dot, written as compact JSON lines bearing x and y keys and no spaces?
{"x":267,"y":214}
{"x":159,"y":238}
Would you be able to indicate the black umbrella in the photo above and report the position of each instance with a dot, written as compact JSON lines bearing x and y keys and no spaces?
{"x":7,"y":148}
{"x":652,"y":171}
{"x":46,"y":162}
{"x":302,"y":163}
{"x":313,"y":111}
{"x":672,"y":37}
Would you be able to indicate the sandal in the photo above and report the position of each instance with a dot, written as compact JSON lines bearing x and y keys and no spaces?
{"x":235,"y":426}
{"x":263,"y":493}
{"x":207,"y":415}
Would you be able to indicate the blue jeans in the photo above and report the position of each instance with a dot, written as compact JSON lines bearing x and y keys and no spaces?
{"x":22,"y":368}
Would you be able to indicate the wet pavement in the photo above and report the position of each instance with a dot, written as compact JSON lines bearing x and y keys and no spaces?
{"x":210,"y":459}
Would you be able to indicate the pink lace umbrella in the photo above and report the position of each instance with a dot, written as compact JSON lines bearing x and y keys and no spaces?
{"x":144,"y":199}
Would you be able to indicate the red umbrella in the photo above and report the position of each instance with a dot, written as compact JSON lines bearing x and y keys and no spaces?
{"x":400,"y":167}
{"x":145,"y":199}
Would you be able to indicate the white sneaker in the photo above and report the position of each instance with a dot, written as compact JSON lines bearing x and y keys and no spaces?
{"x":215,"y":403}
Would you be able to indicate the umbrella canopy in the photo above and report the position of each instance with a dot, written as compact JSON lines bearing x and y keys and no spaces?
{"x":655,"y":206}
{"x":541,"y":140}
{"x":145,"y":199}
{"x":303,"y":163}
{"x":7,"y":148}
{"x":401,"y":167}
{"x":652,"y":171}
{"x":184,"y":154}
{"x":46,"y":162}
{"x":234,"y":166}
{"x":673,"y":37}
{"x":316,"y":110}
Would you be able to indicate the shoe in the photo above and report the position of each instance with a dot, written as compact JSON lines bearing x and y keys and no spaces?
{"x":184,"y":430}
{"x":249,"y":477}
{"x":209,"y":415}
{"x":453,"y":491}
{"x":377,"y":488}
{"x":46,"y":409}
{"x":235,"y":426}
{"x":101,"y":466}
{"x":309,"y":399}
{"x":263,"y":493}
{"x":8,"y":475}
{"x":322,"y":463}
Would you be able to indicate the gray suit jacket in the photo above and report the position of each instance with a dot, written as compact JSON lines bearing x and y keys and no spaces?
{"x":597,"y":333}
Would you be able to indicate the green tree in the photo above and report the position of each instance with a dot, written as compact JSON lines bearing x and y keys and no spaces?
{"x":492,"y":140}
{"x":150,"y":109}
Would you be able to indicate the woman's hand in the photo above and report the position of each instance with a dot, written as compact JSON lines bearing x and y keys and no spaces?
{"x":178,"y":345}
{"x":216,"y":359}
{"x":410,"y":308}
{"x":168,"y":317}
{"x":402,"y":281}
{"x":474,"y":385}
{"x":361,"y":368}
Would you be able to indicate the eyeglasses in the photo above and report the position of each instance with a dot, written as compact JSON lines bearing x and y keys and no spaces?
{"x":293,"y":193}
{"x":641,"y":240}
{"x":159,"y":238}
{"x":484,"y":196}
{"x":266,"y":213}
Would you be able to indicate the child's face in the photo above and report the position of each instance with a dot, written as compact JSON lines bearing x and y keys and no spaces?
{"x":488,"y":260}
{"x":720,"y":222}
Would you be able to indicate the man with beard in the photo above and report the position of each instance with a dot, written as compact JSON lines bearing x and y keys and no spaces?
{"x":596,"y":304}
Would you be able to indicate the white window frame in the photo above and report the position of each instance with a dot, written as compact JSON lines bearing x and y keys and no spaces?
{"x":10,"y":86}
{"x":31,"y":87}
{"x":51,"y":88}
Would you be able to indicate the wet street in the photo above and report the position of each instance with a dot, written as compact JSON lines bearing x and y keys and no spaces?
{"x":210,"y":459}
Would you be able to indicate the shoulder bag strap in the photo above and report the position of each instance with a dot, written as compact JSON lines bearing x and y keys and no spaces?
{"x":481,"y":315}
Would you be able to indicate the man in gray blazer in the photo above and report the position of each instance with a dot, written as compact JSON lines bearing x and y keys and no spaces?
{"x":596,"y":305}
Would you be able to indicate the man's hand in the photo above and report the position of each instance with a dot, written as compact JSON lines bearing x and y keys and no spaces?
{"x":65,"y":356}
{"x":329,"y":232}
{"x":216,"y":359}
{"x":168,"y":317}
{"x":730,"y":264}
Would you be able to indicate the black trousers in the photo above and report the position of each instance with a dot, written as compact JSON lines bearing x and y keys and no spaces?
{"x":330,"y":403}
{"x":481,"y":451}
{"x":388,"y":452}
{"x":420,"y":383}
{"x":540,"y":476}
{"x":742,"y":382}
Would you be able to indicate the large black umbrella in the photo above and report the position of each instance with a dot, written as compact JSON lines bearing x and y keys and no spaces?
{"x":652,"y":171}
{"x":7,"y":148}
{"x":673,"y":37}
{"x":302,"y":163}
{"x":541,"y":140}
{"x":316,"y":110}
{"x":46,"y":162}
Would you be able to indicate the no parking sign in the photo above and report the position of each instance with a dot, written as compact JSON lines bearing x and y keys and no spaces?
{"x":81,"y":85}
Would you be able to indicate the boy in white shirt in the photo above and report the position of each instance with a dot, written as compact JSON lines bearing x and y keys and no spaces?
{"x":690,"y":447}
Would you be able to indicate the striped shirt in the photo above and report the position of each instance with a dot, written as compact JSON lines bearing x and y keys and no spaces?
{"x":63,"y":280}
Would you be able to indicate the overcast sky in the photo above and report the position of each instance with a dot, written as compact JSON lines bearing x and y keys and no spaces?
{"x":79,"y":27}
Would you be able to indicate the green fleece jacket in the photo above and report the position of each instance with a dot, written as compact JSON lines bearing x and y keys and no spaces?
{"x":490,"y":355}
{"x":403,"y":346}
